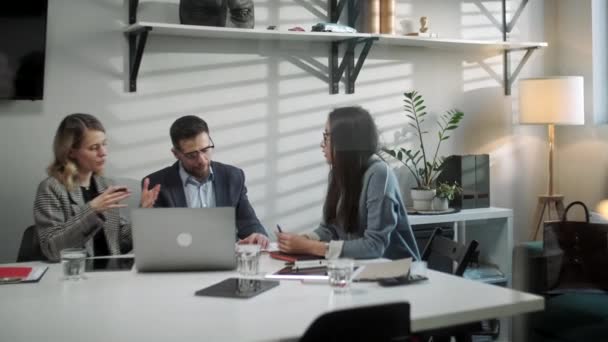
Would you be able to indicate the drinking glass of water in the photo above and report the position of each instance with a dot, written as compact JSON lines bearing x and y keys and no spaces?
{"x":340,"y":272}
{"x":248,"y":259}
{"x":72,"y":262}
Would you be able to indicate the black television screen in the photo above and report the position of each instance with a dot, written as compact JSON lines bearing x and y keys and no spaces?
{"x":22,"y":48}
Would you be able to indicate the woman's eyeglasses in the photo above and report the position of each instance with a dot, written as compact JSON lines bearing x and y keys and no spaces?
{"x":326,"y":136}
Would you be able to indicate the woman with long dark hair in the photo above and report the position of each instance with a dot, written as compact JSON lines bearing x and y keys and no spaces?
{"x":363,"y":216}
{"x":76,"y":206}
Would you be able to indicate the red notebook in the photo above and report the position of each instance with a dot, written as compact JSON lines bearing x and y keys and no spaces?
{"x":21,"y":274}
{"x":293,"y":257}
{"x":15,"y":272}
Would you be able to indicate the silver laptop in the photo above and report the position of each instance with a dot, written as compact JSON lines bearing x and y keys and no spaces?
{"x":184,"y":239}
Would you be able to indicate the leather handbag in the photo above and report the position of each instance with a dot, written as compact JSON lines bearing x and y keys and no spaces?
{"x":576,"y":254}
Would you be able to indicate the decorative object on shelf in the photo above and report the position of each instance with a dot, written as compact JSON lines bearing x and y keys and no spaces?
{"x":214,"y":12}
{"x":331,"y":27}
{"x":445,"y":193}
{"x":296,"y":29}
{"x":387,"y":16}
{"x":424,"y":25}
{"x":551,"y":101}
{"x":373,"y":16}
{"x":472,"y":172}
{"x":424,"y":169}
{"x":423,"y":31}
{"x":242,"y":14}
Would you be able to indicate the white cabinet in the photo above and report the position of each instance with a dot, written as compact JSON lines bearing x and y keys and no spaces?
{"x":491,"y":227}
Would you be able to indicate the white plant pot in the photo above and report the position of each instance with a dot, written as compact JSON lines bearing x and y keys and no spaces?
{"x":423,"y":199}
{"x":440,"y":203}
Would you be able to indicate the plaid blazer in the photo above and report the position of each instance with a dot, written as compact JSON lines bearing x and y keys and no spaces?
{"x":64,"y":220}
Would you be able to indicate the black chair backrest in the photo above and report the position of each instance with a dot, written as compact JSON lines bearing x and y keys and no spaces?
{"x":30,"y":246}
{"x":455,"y":251}
{"x":384,"y":322}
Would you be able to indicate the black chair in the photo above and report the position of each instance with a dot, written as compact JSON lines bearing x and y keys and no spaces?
{"x":385,"y":322}
{"x":459,"y":253}
{"x":30,"y":246}
{"x":462,"y":255}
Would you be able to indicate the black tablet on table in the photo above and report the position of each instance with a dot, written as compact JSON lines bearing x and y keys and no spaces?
{"x":237,"y":288}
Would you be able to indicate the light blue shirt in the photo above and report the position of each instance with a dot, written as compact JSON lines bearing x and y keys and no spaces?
{"x":198,"y":194}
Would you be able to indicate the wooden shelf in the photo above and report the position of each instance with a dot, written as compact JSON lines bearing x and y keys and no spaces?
{"x":137,"y":34}
{"x":457,"y":44}
{"x":384,"y":39}
{"x":238,"y":33}
{"x":349,"y":67}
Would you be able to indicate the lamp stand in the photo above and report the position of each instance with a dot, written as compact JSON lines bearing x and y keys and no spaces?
{"x":550,"y":201}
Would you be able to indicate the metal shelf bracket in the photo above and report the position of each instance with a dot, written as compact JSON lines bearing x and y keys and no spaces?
{"x":133,"y":11}
{"x":347,"y":67}
{"x":137,"y":43}
{"x":508,"y":77}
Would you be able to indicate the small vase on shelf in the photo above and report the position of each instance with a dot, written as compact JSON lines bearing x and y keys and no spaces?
{"x":440,"y":204}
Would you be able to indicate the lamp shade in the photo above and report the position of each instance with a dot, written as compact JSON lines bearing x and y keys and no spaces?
{"x":552,"y":100}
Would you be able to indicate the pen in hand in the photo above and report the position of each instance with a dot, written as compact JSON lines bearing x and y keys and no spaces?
{"x":279,"y":229}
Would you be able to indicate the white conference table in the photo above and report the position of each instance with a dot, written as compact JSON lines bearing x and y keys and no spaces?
{"x":131,"y":306}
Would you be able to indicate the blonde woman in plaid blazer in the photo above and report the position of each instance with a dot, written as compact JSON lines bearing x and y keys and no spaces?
{"x":76,"y":207}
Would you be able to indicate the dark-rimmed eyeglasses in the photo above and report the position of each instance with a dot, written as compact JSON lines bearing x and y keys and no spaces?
{"x":326,"y":136}
{"x":193,"y":155}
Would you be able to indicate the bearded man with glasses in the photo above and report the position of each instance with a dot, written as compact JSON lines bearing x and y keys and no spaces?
{"x":196,"y":181}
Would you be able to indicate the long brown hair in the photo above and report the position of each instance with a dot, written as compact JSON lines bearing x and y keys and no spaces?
{"x":354,"y":139}
{"x":69,"y":135}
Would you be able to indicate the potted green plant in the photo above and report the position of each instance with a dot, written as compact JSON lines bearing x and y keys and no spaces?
{"x":423,"y":166}
{"x":444,"y":192}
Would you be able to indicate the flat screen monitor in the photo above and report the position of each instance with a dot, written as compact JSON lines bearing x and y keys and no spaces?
{"x":22,"y":48}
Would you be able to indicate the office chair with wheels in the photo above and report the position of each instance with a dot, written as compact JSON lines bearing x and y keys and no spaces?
{"x":462,"y":255}
{"x":29,"y":250}
{"x":384,"y":322}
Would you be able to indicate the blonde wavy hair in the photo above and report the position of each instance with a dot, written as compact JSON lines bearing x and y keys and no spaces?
{"x":69,"y":136}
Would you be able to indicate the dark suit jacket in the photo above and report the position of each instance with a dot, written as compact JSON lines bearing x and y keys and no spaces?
{"x":228,"y":185}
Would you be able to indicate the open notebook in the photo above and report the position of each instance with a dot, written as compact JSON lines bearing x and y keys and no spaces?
{"x":364,"y":271}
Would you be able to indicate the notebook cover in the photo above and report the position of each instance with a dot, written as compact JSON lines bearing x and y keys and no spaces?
{"x":15,"y":272}
{"x":17,"y":275}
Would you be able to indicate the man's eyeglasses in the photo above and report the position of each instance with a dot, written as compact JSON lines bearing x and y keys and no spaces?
{"x":195,"y":154}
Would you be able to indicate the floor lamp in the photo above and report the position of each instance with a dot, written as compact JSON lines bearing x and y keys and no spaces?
{"x":551,"y":101}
